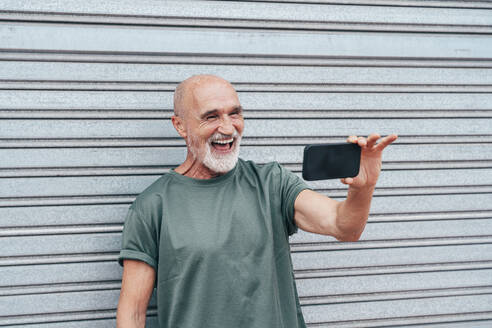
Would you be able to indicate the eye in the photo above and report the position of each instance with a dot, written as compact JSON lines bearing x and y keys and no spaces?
{"x":211,"y":117}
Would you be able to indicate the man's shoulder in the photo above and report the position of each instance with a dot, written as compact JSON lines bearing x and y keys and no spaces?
{"x":259,"y":166}
{"x":264,"y":171}
{"x":153,"y":193}
{"x":264,"y":167}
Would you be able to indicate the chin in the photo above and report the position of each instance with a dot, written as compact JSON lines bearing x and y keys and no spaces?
{"x":219,"y":162}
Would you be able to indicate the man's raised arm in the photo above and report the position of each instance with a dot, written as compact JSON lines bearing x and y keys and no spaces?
{"x":345,"y":220}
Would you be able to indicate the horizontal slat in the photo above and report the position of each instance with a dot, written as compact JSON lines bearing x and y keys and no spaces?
{"x":259,"y":15}
{"x":397,"y":308}
{"x":67,"y":186}
{"x":267,"y":87}
{"x":391,"y":243}
{"x":60,"y":230}
{"x":92,"y":319}
{"x":403,"y":3}
{"x":155,"y":73}
{"x":353,"y":285}
{"x":455,"y":320}
{"x":264,"y":101}
{"x":414,"y":25}
{"x":63,"y":244}
{"x":63,"y":215}
{"x":70,"y":287}
{"x":421,"y":181}
{"x":56,"y":259}
{"x":389,"y":256}
{"x":254,"y":127}
{"x":59,"y":302}
{"x":169,"y":40}
{"x":46,"y":274}
{"x":395,"y":295}
{"x":62,"y":100}
{"x":238,"y":59}
{"x":412,"y":191}
{"x":84,"y":319}
{"x":428,"y":216}
{"x":60,"y":201}
{"x":385,"y":232}
{"x":88,"y":320}
{"x":392,"y":269}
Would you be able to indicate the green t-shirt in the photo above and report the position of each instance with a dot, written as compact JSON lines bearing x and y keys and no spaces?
{"x":220,"y":247}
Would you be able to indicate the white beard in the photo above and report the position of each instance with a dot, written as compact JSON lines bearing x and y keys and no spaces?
{"x":218,"y":163}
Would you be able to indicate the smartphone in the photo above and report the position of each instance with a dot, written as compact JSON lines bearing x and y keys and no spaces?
{"x":331,"y":161}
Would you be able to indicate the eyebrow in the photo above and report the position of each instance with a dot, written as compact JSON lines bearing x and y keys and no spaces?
{"x":213,"y":111}
{"x":238,"y":109}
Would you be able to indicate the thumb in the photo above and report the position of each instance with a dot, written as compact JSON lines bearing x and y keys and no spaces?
{"x":347,"y":181}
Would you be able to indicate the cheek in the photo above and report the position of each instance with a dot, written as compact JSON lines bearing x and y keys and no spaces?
{"x":207,"y":131}
{"x":239,"y":126}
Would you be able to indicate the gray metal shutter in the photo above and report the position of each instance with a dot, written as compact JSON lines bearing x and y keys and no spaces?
{"x":86,"y":96}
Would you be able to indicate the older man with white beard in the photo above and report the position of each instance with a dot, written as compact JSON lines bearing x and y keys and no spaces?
{"x":212,"y":234}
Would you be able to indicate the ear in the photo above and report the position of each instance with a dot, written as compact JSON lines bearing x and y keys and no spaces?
{"x":179,"y":125}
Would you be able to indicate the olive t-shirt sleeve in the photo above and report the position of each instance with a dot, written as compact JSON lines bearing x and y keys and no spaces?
{"x":138,"y":242}
{"x":290,"y":186}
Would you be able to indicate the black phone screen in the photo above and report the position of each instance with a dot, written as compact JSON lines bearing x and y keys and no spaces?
{"x":331,"y":161}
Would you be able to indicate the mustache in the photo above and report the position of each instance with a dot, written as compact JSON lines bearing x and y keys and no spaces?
{"x":219,"y":136}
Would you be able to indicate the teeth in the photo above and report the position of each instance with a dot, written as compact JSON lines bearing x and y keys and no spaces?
{"x":223,"y":142}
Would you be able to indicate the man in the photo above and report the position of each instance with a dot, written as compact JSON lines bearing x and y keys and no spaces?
{"x":212,"y":234}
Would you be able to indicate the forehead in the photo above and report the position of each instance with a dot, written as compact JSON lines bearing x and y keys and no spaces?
{"x":214,"y":95}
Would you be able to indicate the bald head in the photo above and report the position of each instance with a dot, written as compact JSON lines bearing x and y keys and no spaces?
{"x":184,"y":95}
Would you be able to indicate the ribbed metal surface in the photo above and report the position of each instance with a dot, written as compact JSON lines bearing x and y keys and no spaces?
{"x":85,"y":101}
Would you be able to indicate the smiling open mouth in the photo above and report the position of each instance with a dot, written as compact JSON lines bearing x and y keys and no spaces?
{"x":223,"y":145}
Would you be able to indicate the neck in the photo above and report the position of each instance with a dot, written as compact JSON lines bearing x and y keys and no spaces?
{"x":193,"y":168}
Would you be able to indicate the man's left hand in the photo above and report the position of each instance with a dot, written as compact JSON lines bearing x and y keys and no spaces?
{"x":370,"y":159}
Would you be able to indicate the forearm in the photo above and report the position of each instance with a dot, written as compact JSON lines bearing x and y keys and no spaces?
{"x":129,"y":318}
{"x":353,"y":212}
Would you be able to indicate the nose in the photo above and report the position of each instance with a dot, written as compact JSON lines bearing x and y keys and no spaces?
{"x":226,"y":126}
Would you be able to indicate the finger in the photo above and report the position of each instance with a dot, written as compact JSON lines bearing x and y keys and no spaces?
{"x":386,"y":141}
{"x":371,"y":140}
{"x":362,"y":142}
{"x":352,"y":139}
